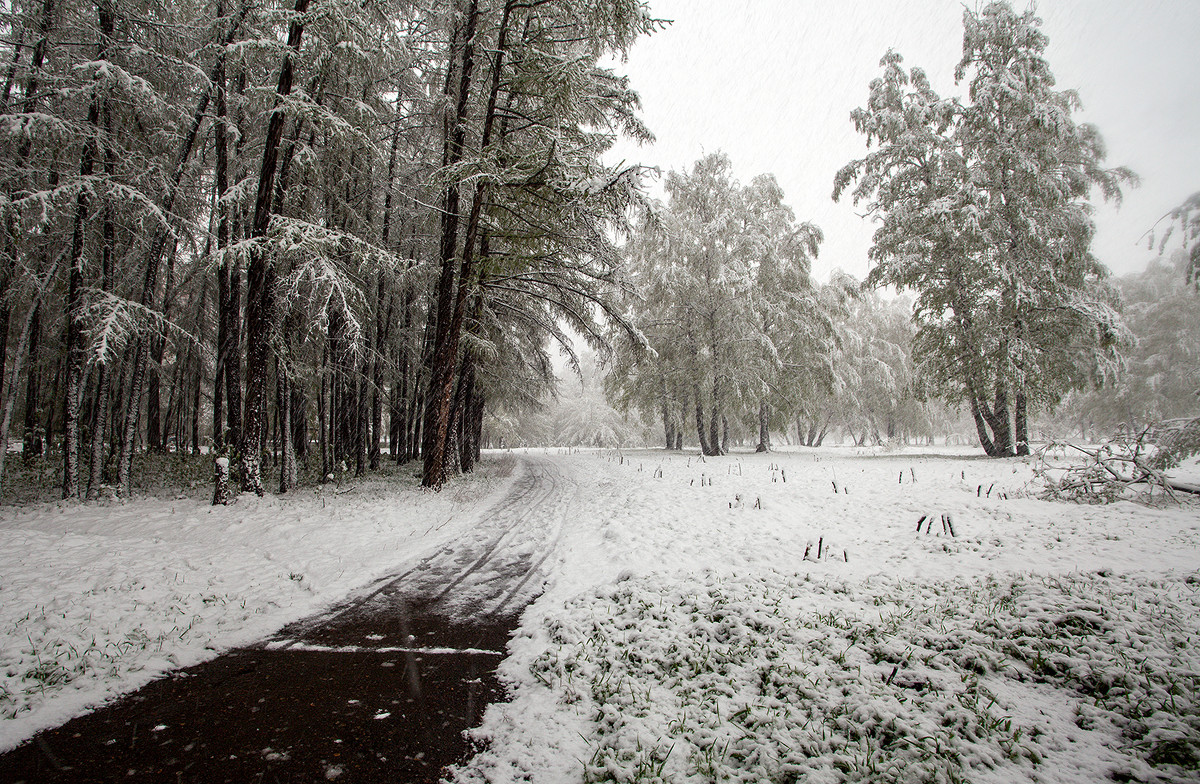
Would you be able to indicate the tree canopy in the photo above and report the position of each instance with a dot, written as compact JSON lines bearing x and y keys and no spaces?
{"x":983,"y":214}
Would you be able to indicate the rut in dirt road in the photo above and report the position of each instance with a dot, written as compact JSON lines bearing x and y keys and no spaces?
{"x":379,"y":688}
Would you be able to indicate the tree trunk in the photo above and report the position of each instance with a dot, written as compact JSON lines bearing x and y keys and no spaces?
{"x":32,"y":443}
{"x":764,"y":429}
{"x":76,"y":360}
{"x":1002,"y":426}
{"x":468,"y":446}
{"x":706,"y":446}
{"x":445,"y":345}
{"x":260,"y":293}
{"x":322,"y":407}
{"x":1021,"y":422}
{"x":287,"y":452}
{"x":362,"y":418}
{"x":100,"y":427}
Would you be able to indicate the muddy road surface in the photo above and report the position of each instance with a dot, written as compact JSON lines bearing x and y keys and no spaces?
{"x":377,"y":689}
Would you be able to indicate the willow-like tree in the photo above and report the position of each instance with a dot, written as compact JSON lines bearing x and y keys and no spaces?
{"x":726,"y":305}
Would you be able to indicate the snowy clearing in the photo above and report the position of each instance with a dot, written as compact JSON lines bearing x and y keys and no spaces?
{"x":691,"y":631}
{"x":756,"y":617}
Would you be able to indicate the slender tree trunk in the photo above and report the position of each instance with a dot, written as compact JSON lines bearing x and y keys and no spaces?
{"x":76,"y":360}
{"x":227,"y":384}
{"x":260,"y":293}
{"x":382,"y":330}
{"x":321,"y":415}
{"x":362,"y":418}
{"x":32,"y":445}
{"x":299,"y":421}
{"x":1020,"y":416}
{"x":287,"y":457}
{"x":764,"y":430}
{"x":706,"y":447}
{"x":197,"y":381}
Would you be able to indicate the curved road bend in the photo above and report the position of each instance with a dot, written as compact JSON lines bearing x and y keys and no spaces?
{"x":378,"y":688}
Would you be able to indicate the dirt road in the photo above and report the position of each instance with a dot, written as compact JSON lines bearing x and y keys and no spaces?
{"x":379,"y":688}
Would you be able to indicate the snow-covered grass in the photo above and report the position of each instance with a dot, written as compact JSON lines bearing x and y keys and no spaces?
{"x":98,"y":599}
{"x":691,"y":632}
{"x":803,"y":615}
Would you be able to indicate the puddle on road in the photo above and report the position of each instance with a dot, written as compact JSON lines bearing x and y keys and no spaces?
{"x":364,"y":697}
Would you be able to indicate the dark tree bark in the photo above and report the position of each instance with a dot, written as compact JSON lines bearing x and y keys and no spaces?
{"x":445,"y":344}
{"x":260,"y":289}
{"x":299,"y":416}
{"x":155,"y":423}
{"x":287,"y":453}
{"x":322,"y":407}
{"x":32,"y":443}
{"x":764,"y":430}
{"x":706,"y":445}
{"x":1021,"y":423}
{"x":76,"y":360}
{"x":108,"y":234}
{"x":1001,"y":424}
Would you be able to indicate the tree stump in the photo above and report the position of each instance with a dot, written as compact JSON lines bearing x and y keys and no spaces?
{"x":222,"y":494}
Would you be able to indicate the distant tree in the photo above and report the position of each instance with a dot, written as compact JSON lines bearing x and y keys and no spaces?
{"x":984,"y":217}
{"x":1162,"y":378}
{"x":1186,"y":220}
{"x":726,"y":305}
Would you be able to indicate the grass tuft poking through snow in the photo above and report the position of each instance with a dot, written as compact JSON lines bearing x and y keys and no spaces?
{"x":720,"y":677}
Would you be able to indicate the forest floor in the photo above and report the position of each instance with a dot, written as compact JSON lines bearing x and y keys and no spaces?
{"x":747,"y":618}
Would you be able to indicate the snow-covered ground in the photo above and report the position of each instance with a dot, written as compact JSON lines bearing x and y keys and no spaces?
{"x":97,"y":600}
{"x":780,"y":617}
{"x":770,"y":617}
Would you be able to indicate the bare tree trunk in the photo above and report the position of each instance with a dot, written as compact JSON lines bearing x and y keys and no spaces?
{"x":1021,"y":422}
{"x":321,"y":415}
{"x":32,"y":444}
{"x":764,"y":430}
{"x":706,"y":445}
{"x":362,"y":418}
{"x":287,"y":456}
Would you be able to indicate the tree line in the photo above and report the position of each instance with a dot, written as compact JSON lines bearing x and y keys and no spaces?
{"x":983,"y":217}
{"x":237,"y":222}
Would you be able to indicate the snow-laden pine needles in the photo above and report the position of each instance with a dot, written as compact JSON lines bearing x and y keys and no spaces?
{"x":779,"y":678}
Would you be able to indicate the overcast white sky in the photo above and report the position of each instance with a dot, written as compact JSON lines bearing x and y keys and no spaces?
{"x":773,"y":82}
